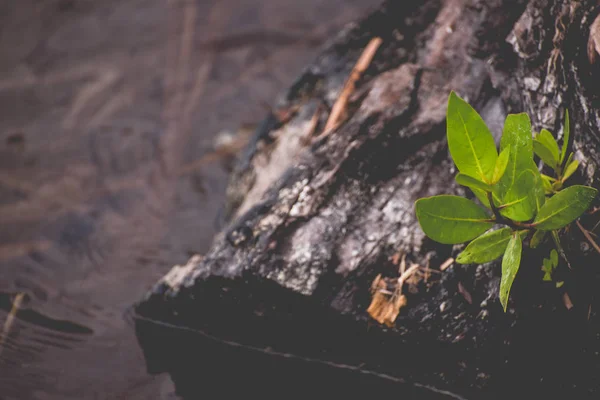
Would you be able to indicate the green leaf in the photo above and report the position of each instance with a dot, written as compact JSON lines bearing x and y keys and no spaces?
{"x":553,"y":258}
{"x":570,"y":170}
{"x":537,"y":238}
{"x":545,"y":154}
{"x":486,"y":247}
{"x":549,"y":178}
{"x":547,"y":265}
{"x":501,"y":164}
{"x":564,"y":207}
{"x":557,"y":186}
{"x":451,"y":219}
{"x":566,"y":134}
{"x":547,"y":184}
{"x":569,"y":159}
{"x":538,"y":191}
{"x":510,"y":267}
{"x":471,"y":182}
{"x":546,"y":138}
{"x":520,"y":201}
{"x":481,"y":196}
{"x":470,"y":141}
{"x":547,"y":268}
{"x":516,"y":135}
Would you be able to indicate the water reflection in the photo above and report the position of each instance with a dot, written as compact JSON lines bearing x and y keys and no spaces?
{"x":108,"y":169}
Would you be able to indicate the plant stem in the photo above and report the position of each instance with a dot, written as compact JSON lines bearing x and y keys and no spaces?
{"x":559,"y":247}
{"x":508,"y":222}
{"x":495,"y":210}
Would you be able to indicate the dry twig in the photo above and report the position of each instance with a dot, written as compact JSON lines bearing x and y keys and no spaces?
{"x":407,"y":274}
{"x":11,"y":319}
{"x":359,"y":69}
{"x":588,"y":237}
{"x":446,"y":264}
{"x":312,"y":126}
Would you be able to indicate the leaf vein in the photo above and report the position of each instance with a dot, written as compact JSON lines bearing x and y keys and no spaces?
{"x":471,"y":146}
{"x":456,"y":219}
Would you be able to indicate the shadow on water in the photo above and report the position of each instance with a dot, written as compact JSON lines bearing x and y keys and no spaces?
{"x":105,"y":109}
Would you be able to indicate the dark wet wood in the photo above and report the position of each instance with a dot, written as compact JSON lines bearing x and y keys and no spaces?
{"x":280,"y":299}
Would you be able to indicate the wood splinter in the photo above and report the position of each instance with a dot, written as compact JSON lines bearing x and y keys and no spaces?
{"x":446,"y":264}
{"x":10,"y":319}
{"x":589,"y":237}
{"x":339,"y":107}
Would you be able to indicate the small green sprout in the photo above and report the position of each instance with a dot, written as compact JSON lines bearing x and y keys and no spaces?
{"x":510,"y":186}
{"x":549,"y":265}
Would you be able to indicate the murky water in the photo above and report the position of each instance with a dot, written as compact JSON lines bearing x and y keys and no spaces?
{"x":108,"y":110}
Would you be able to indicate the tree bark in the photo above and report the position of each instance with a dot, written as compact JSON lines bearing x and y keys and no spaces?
{"x":280,"y":301}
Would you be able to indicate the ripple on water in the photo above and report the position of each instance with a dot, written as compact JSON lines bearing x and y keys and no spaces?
{"x":99,"y":104}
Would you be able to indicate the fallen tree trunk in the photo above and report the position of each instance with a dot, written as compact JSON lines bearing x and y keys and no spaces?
{"x":280,"y":302}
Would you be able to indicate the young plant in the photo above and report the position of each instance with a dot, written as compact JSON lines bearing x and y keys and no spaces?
{"x":510,"y":186}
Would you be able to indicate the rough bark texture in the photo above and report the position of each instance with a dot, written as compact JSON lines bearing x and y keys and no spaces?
{"x":279,"y":302}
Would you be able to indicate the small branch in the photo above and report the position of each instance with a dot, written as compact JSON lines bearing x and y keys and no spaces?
{"x":495,"y":210}
{"x":522,"y":225}
{"x":505,"y":221}
{"x":594,"y":228}
{"x":562,"y":253}
{"x":446,"y":264}
{"x":588,"y":237}
{"x":359,"y":68}
{"x":312,"y":126}
{"x":501,"y":220}
{"x":407,"y":274}
{"x":10,"y":319}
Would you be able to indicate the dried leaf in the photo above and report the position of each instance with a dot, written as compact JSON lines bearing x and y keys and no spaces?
{"x":385,"y":306}
{"x":385,"y":309}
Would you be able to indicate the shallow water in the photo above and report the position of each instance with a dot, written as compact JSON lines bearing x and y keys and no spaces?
{"x":104,"y":108}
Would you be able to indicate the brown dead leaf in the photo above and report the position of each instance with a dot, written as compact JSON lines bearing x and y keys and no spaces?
{"x":385,"y":305}
{"x":385,"y":309}
{"x":388,"y":298}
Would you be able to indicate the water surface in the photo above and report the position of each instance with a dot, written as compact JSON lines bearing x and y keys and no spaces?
{"x":105,"y":109}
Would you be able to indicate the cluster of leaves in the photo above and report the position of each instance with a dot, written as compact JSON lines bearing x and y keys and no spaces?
{"x":529,"y":204}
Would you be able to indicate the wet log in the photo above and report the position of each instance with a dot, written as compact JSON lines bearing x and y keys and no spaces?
{"x":319,"y":224}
